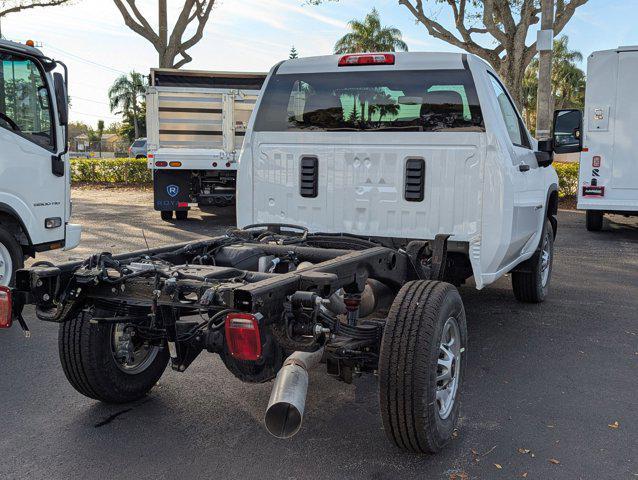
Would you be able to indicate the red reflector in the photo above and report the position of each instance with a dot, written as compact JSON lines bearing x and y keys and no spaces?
{"x":150,"y":155}
{"x":5,"y":307}
{"x":182,"y":204}
{"x":593,"y":191}
{"x":595,"y":162}
{"x":242,"y":336}
{"x":161,"y":163}
{"x":366,"y":59}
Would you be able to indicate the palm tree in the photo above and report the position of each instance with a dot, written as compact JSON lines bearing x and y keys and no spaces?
{"x":370,"y":36}
{"x":126,"y":95}
{"x":568,"y":81}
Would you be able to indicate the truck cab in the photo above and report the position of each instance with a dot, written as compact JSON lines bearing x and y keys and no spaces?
{"x":400,"y":146}
{"x":35,"y":205}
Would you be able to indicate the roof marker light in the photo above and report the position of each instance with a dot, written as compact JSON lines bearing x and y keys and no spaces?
{"x":355,"y":60}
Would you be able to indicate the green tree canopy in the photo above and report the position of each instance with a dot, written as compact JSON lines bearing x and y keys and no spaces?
{"x":370,"y":36}
{"x":126,"y":97}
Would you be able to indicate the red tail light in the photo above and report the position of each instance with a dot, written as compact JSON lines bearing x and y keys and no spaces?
{"x":161,"y":163}
{"x":242,"y":336}
{"x":5,"y":307}
{"x":366,"y":59}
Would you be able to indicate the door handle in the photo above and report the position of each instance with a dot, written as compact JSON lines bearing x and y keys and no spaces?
{"x":523,"y":167}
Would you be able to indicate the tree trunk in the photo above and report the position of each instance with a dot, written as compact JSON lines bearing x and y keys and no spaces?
{"x":135,"y":122}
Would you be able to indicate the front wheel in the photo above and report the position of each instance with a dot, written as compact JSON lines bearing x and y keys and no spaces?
{"x":530,"y":281}
{"x":108,"y":362}
{"x":421,"y":366}
{"x":11,"y":257}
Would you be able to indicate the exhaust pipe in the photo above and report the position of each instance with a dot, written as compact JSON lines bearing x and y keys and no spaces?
{"x":288,"y":398}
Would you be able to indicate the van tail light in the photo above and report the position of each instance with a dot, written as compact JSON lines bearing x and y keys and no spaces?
{"x":242,"y":336}
{"x":5,"y":307}
{"x":366,"y":59}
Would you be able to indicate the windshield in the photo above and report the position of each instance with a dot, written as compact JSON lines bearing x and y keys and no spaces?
{"x":417,"y":101}
{"x":25,"y":107}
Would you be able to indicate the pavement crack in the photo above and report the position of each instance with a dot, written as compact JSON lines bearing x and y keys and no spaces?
{"x":110,"y":418}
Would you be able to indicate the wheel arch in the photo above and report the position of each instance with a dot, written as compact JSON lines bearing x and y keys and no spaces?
{"x":10,"y":217}
{"x":551,"y":206}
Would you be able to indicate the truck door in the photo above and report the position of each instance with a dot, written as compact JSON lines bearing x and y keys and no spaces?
{"x":625,"y":159}
{"x":28,"y":185}
{"x":526,"y":176}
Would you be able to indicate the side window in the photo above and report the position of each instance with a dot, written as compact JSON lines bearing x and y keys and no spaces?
{"x":25,"y":106}
{"x":513,"y":122}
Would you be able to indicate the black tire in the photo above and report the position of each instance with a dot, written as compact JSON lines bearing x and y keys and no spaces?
{"x":594,"y":220}
{"x":181,"y":214}
{"x":88,"y":362}
{"x":409,"y":362}
{"x":167,"y":215}
{"x":528,"y":281}
{"x":16,"y":256}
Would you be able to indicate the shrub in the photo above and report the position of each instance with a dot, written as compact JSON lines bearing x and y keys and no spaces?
{"x":110,"y":170}
{"x":567,"y":179}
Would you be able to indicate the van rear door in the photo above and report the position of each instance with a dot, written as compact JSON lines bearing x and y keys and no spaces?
{"x":625,"y":154}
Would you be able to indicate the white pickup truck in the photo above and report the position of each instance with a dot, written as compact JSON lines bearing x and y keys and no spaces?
{"x":35,"y":196}
{"x":370,"y":186}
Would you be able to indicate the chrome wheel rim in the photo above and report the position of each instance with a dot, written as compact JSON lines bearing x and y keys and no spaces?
{"x":6,"y":265}
{"x":448,"y":367}
{"x":131,"y":355}
{"x":546,"y":259}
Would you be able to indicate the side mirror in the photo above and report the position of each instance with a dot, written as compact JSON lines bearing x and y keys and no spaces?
{"x":545,"y":153}
{"x":61,"y":99}
{"x":567,"y":134}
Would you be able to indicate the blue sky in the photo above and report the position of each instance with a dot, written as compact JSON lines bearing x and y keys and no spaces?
{"x":251,"y":35}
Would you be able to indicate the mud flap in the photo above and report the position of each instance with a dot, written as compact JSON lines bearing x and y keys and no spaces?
{"x":171,"y":190}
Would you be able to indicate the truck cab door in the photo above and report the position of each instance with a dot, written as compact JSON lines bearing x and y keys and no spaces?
{"x":526,"y":175}
{"x":33,"y":183}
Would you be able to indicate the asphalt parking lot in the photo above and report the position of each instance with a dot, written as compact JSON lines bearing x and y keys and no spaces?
{"x":544,"y":386}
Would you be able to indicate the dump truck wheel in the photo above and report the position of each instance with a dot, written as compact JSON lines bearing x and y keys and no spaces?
{"x":594,"y":220}
{"x":167,"y":215}
{"x":421,"y":366}
{"x":93,"y":362}
{"x":530,"y":281}
{"x":11,"y":258}
{"x":181,"y":214}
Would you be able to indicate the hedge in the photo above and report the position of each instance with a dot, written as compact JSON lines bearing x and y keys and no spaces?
{"x":129,"y":171}
{"x":567,"y":179}
{"x":133,"y":171}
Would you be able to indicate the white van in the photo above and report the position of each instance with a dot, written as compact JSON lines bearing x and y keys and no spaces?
{"x":608,"y":177}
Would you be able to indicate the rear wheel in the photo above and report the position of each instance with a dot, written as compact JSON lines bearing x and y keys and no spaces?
{"x":167,"y":215}
{"x":530,"y":281}
{"x":11,"y":257}
{"x":421,"y":367}
{"x":108,"y":362}
{"x":181,"y":214}
{"x":594,"y":220}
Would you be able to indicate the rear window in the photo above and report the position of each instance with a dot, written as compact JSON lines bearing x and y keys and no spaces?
{"x":411,"y":101}
{"x":139,"y":143}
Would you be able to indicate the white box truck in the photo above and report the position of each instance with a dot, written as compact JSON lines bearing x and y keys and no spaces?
{"x":196,"y":123}
{"x":608,"y":177}
{"x":35,"y":192}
